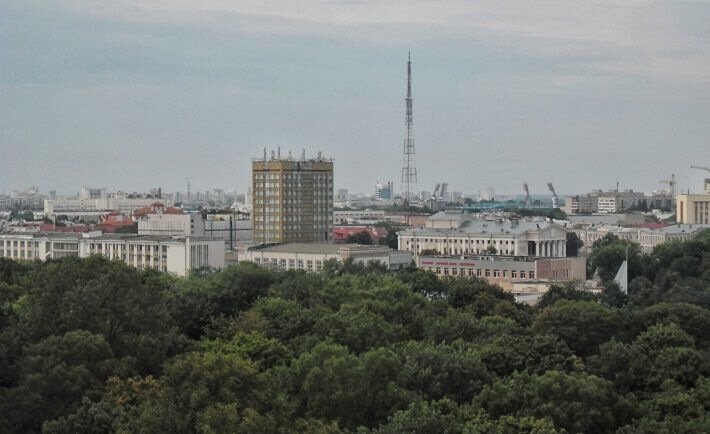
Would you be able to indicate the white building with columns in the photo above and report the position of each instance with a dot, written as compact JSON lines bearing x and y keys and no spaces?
{"x":482,"y":237}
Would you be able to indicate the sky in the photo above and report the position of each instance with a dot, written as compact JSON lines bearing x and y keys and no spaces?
{"x":135,"y":94}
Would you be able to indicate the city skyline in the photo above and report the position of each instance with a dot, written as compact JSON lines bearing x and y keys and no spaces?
{"x":580,"y":94}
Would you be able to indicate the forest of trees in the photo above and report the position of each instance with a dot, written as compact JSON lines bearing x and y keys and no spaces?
{"x":94,"y":346}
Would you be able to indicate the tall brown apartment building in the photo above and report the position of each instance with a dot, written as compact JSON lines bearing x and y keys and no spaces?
{"x":292,"y":200}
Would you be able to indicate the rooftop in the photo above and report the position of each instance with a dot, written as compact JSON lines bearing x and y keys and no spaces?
{"x":485,"y":227}
{"x":328,"y":249}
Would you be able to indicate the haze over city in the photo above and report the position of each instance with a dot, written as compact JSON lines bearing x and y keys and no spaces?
{"x":138,"y":94}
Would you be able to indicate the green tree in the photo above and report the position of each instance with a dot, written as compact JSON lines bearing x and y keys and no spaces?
{"x":573,"y":244}
{"x":576,"y":402}
{"x":363,"y":238}
{"x":54,"y":376}
{"x":582,"y":325}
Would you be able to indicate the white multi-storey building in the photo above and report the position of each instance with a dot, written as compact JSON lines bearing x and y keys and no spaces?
{"x":158,"y":220}
{"x":177,"y":255}
{"x":648,"y":238}
{"x":476,"y":237}
{"x":122,"y":204}
{"x":357,"y":215}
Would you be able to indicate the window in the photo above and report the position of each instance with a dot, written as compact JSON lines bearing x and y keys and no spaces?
{"x":488,"y":273}
{"x":522,"y":275}
{"x":514,"y":274}
{"x":496,"y":273}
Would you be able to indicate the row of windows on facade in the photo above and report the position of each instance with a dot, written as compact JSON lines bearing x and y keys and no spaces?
{"x":446,"y":251}
{"x":296,"y":176}
{"x":131,"y":247}
{"x":294,"y":202}
{"x":294,"y":185}
{"x":455,"y":241}
{"x":514,"y":274}
{"x":291,"y":264}
{"x":294,"y":219}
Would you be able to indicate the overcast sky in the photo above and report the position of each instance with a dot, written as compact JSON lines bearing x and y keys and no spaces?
{"x":138,"y":94}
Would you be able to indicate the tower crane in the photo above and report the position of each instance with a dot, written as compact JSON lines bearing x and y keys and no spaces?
{"x":555,"y":199}
{"x":707,"y":180}
{"x":671,"y":184}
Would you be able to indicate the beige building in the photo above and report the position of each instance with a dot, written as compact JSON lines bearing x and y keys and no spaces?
{"x":311,"y":257}
{"x":693,"y":208}
{"x":292,"y":200}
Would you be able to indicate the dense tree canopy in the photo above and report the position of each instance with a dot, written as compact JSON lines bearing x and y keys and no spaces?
{"x":94,"y":346}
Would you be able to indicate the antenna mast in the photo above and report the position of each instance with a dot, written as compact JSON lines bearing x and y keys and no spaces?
{"x":409,"y":171}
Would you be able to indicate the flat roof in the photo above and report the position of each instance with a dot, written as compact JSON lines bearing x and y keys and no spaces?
{"x":487,"y":227}
{"x":316,"y":248}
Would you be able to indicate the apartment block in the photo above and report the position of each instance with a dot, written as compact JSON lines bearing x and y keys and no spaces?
{"x":292,"y":200}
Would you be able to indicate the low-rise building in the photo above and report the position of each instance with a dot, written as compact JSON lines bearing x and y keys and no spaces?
{"x":693,"y":208}
{"x":311,"y":257}
{"x":355,"y":216}
{"x":160,"y":220}
{"x":177,"y":255}
{"x":648,"y":236}
{"x":230,"y":228}
{"x":506,"y":271}
{"x":480,"y":237}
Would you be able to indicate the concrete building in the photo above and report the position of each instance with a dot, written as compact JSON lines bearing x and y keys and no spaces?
{"x":354,"y":216}
{"x":479,"y":237}
{"x":615,"y":201}
{"x":177,"y":255}
{"x":506,"y":271}
{"x":166,"y":221}
{"x":122,"y":204}
{"x":647,"y":237}
{"x":237,"y":231}
{"x":311,"y":257}
{"x":652,"y":238}
{"x":693,"y":208}
{"x":292,"y":200}
{"x":581,"y":204}
{"x":28,"y":199}
{"x":384,"y":191}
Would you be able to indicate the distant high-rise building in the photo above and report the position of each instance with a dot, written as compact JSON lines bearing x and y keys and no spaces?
{"x":384,"y":191}
{"x":292,"y":200}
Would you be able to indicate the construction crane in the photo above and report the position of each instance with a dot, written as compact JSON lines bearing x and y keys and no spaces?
{"x":528,"y":200}
{"x":671,"y":184}
{"x":707,"y":180}
{"x":555,"y":199}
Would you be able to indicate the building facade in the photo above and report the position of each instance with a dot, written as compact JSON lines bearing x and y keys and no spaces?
{"x":292,"y":200}
{"x":159,"y":220}
{"x":177,"y":255}
{"x":480,"y":237}
{"x":311,"y":257}
{"x":384,"y":191}
{"x":506,"y":271}
{"x":693,"y":209}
